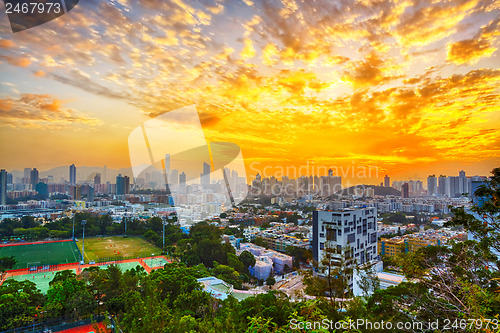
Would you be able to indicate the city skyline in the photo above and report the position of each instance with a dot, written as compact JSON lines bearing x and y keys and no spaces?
{"x":90,"y":177}
{"x":404,"y":87}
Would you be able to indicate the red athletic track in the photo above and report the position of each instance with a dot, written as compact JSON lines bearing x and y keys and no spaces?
{"x":83,"y":329}
{"x":33,"y":243}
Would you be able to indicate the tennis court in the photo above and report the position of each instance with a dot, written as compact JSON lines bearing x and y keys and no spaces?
{"x":220,"y":287}
{"x":38,"y":254}
{"x":41,"y":279}
{"x":156,"y":262}
{"x":124,"y":265}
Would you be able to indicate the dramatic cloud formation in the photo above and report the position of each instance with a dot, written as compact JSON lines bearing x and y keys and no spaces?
{"x":35,"y":111}
{"x":401,"y":85}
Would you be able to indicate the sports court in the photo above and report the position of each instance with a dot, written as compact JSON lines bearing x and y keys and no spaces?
{"x":43,"y":253}
{"x":124,"y":265}
{"x":41,"y":279}
{"x":156,"y":262}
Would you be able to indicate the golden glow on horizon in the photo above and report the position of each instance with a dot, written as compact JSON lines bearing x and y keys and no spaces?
{"x":400,"y":85}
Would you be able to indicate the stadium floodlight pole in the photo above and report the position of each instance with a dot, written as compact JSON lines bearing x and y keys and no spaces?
{"x":74,"y":225}
{"x":83,"y":240}
{"x":163,"y":222}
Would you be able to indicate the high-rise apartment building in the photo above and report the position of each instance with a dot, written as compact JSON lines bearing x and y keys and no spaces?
{"x":120,"y":185}
{"x":443,"y":186}
{"x":432,"y":188}
{"x":350,"y":233}
{"x":387,"y":181}
{"x":405,"y":190}
{"x":126,"y":184}
{"x":182,"y":183}
{"x":462,"y":182}
{"x":34,"y":178}
{"x":454,"y":187}
{"x":72,"y":174}
{"x":3,"y":187}
{"x":205,"y":176}
{"x":75,"y":191}
{"x":167,"y":164}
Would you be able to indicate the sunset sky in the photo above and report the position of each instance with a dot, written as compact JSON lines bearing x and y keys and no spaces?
{"x":411,"y":87}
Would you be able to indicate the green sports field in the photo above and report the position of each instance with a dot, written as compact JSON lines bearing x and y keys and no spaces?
{"x":100,"y":248}
{"x":42,"y":254}
{"x":41,"y":279}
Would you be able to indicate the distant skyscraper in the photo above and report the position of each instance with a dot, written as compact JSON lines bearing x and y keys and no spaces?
{"x":33,"y":178}
{"x":405,"y":190}
{"x":3,"y":187}
{"x":419,"y":186}
{"x":454,"y":187}
{"x":444,"y":186}
{"x":72,"y":174}
{"x":432,"y":189}
{"x":126,"y":182}
{"x":167,"y":174}
{"x":475,"y":183}
{"x":182,"y":183}
{"x":463,"y":184}
{"x":27,"y":172}
{"x":334,"y":184}
{"x":205,"y":176}
{"x":75,"y":191}
{"x":387,"y":181}
{"x":120,"y":184}
{"x":97,"y":179}
{"x":167,"y":164}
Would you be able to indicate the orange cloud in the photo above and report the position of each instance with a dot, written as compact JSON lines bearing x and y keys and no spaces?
{"x":17,"y":61}
{"x":370,"y":71}
{"x":39,"y":73}
{"x":470,"y":51}
{"x":6,"y":43}
{"x":35,"y":111}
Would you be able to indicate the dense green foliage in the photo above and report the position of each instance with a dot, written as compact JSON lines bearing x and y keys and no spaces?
{"x":6,"y":263}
